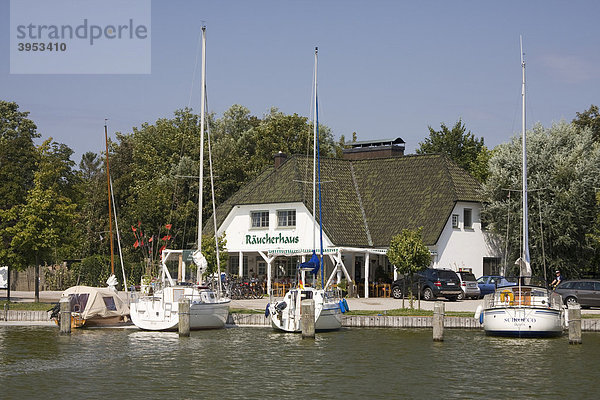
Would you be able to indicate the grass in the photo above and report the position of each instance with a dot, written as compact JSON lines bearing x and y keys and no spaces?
{"x":245,"y":311}
{"x":408,"y":312}
{"x":27,"y":306}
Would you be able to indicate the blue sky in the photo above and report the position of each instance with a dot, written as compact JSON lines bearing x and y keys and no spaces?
{"x":386,"y":68}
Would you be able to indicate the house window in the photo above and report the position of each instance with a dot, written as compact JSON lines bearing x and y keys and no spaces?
{"x":260,"y":219}
{"x":286,"y":218}
{"x":455,"y":220}
{"x":468,"y":220}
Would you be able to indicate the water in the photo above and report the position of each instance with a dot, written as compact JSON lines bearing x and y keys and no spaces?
{"x":258,"y":363}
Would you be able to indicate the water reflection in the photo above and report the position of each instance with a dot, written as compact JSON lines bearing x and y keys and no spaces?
{"x":260,"y":363}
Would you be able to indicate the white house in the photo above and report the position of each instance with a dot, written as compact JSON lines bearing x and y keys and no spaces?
{"x":367,"y":198}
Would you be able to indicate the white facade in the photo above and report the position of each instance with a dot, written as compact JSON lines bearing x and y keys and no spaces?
{"x":463,"y":245}
{"x":241,"y":236}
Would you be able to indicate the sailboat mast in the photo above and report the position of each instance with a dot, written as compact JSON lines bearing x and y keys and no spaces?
{"x":112,"y":253}
{"x":525,"y":250}
{"x":315,"y":153}
{"x":202,"y":106}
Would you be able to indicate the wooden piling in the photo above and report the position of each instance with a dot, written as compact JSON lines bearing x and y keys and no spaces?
{"x":65,"y":316}
{"x":184,"y":318}
{"x":307,"y":320}
{"x":574,"y":315}
{"x":438,"y":322}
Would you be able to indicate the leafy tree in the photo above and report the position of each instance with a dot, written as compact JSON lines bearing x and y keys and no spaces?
{"x":408,"y":253}
{"x":210,"y":252}
{"x":42,"y":232}
{"x":563,"y":170}
{"x":18,"y":158}
{"x":589,"y":119}
{"x":92,"y":270}
{"x":43,"y":228}
{"x":461,"y":146}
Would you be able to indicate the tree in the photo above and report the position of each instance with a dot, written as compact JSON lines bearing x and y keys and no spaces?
{"x":462,"y":147}
{"x":408,"y":253}
{"x":589,"y":119}
{"x":563,"y":170}
{"x":43,"y":228}
{"x":210,"y":253}
{"x":18,"y":158}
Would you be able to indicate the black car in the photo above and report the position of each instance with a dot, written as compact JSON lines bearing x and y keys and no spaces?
{"x":585,"y":292}
{"x":432,"y":283}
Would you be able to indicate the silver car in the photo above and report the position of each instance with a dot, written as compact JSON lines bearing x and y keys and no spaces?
{"x":469,"y":286}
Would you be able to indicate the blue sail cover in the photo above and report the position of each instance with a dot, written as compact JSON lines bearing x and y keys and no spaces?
{"x":311,"y":265}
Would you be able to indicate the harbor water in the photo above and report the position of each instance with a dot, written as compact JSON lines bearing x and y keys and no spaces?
{"x":258,"y":363}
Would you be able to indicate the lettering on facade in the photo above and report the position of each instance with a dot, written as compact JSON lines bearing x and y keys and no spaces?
{"x":269,"y":239}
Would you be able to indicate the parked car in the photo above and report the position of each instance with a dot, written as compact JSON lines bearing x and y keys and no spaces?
{"x":488,"y":283}
{"x":584,"y":292}
{"x":432,"y":283}
{"x":468,"y":284}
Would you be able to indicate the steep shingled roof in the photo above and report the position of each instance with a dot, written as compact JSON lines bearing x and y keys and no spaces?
{"x":395,"y":193}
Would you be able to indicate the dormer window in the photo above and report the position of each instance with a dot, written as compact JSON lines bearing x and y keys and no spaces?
{"x":468,"y":218}
{"x":286,"y":218}
{"x":259,"y":219}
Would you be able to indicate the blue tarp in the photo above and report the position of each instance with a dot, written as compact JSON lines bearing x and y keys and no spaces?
{"x":311,"y":265}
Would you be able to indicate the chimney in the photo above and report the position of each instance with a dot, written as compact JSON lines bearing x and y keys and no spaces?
{"x":280,"y":159}
{"x":372,"y":149}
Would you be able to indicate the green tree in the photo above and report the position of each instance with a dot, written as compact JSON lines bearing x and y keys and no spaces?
{"x":18,"y":158}
{"x":589,"y":119}
{"x":408,"y":253}
{"x":563,"y":170}
{"x":210,"y":253}
{"x":461,"y":146}
{"x":43,"y":228}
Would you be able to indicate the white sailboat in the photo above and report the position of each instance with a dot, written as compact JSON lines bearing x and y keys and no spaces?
{"x":524,"y":310}
{"x":286,"y":314}
{"x":158,"y":311}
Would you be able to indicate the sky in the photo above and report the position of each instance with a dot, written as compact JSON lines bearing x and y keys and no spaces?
{"x":387,"y":69}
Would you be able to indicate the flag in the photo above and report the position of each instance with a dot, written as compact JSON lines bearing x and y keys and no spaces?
{"x":133,"y":228}
{"x":167,"y":237}
{"x":300,"y":284}
{"x":136,"y":244}
{"x":168,"y":226}
{"x":139,"y":223}
{"x":151,"y":238}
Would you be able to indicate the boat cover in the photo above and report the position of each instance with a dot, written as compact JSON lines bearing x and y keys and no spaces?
{"x":96,"y":302}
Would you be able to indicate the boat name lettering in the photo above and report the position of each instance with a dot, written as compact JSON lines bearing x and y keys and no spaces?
{"x":530,"y":320}
{"x":269,"y":239}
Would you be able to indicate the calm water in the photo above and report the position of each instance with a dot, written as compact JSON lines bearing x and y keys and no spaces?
{"x":257,"y":363}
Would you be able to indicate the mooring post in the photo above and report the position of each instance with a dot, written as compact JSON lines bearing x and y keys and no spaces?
{"x":6,"y":312}
{"x":184,"y":317}
{"x":438,"y":321}
{"x":574,"y":311}
{"x":65,"y":316}
{"x":307,"y":320}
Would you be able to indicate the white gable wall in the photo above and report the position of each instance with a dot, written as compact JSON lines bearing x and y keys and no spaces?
{"x":242,"y":237}
{"x":463,"y":247}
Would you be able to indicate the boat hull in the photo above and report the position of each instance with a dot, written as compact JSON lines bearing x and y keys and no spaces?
{"x":160,"y":312}
{"x":523,"y":322}
{"x":328,"y":315}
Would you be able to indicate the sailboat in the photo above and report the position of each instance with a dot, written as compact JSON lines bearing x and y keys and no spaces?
{"x":99,"y":306}
{"x":523,"y":310}
{"x":286,"y":315}
{"x":158,"y":311}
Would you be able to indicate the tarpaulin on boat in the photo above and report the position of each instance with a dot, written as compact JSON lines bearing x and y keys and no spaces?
{"x":96,"y":302}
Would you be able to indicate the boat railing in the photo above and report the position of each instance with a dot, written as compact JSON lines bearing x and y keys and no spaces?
{"x":522,"y":297}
